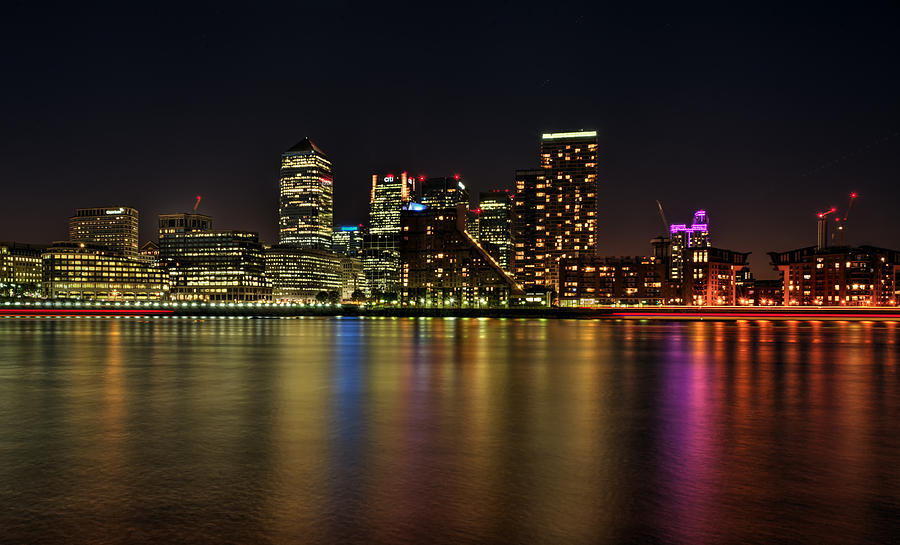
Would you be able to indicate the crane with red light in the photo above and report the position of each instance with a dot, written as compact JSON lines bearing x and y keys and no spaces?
{"x":822,"y":224}
{"x":196,"y":204}
{"x":843,"y":221}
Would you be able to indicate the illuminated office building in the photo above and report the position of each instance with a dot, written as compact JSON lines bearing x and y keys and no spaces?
{"x":306,"y":206}
{"x":381,"y":257}
{"x":353,"y":278}
{"x":77,"y":270}
{"x":348,"y":240}
{"x":114,"y":228}
{"x":442,"y":265}
{"x":300,"y":274}
{"x":495,"y":219}
{"x":211,"y":265}
{"x":443,"y":192}
{"x":20,"y":269}
{"x":557,"y":207}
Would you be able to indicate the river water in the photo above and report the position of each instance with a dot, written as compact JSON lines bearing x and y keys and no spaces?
{"x":374,"y":430}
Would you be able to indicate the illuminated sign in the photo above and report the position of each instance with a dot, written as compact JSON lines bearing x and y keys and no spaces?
{"x":349,"y":228}
{"x":580,"y":134}
{"x":116,"y":211}
{"x":416,"y":207}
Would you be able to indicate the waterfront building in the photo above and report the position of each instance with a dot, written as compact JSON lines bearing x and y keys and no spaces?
{"x":442,"y":265}
{"x":682,"y":237}
{"x":353,"y":279}
{"x":708,"y":277}
{"x":114,"y":228}
{"x":20,"y":269}
{"x":838,"y":275}
{"x":149,"y":252}
{"x":381,"y":257}
{"x":495,"y":219}
{"x":300,"y":274}
{"x":348,"y":240}
{"x":78,"y":270}
{"x":306,"y":202}
{"x":589,"y":280}
{"x":211,"y":265}
{"x":557,"y":207}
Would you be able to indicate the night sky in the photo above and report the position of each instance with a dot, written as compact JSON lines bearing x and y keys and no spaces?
{"x":761,"y":116}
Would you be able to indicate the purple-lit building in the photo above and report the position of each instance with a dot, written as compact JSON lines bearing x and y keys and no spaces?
{"x":682,"y":237}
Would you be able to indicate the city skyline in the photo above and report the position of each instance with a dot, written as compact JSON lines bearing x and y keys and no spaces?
{"x":761,"y":118}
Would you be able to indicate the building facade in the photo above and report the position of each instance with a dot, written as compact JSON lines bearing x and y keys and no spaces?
{"x":20,"y":269}
{"x":682,"y":237}
{"x":77,"y":270}
{"x":114,"y":228}
{"x":211,"y":265}
{"x":708,"y":276}
{"x":838,"y":276}
{"x":495,"y":220}
{"x":306,"y":202}
{"x":353,"y":279}
{"x":443,"y":192}
{"x":559,"y":206}
{"x":300,"y":274}
{"x":348,"y":240}
{"x":589,"y":280}
{"x":442,"y":265}
{"x":381,"y":254}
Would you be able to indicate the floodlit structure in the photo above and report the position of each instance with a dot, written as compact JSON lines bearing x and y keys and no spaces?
{"x":556,"y":207}
{"x":306,"y":201}
{"x":20,"y":269}
{"x":77,"y":270}
{"x":114,"y":228}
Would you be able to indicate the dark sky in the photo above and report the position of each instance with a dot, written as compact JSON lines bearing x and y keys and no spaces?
{"x":760,"y":115}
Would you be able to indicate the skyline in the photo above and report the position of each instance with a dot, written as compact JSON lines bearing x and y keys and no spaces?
{"x":762,"y":119}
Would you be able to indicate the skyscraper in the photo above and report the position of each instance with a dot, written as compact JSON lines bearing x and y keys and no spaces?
{"x":114,"y":228}
{"x":444,"y":192}
{"x":495,"y":219}
{"x":348,"y":240}
{"x":381,"y":257}
{"x":306,"y":206}
{"x":559,"y":205}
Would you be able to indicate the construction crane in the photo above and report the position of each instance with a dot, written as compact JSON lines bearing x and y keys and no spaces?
{"x":196,"y":204}
{"x":662,"y":216}
{"x":822,"y":235}
{"x":843,"y":221}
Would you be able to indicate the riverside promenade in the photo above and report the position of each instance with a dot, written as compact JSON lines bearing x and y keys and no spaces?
{"x":173,"y":309}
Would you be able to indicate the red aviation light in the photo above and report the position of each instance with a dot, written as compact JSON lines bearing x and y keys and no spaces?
{"x":456,"y":176}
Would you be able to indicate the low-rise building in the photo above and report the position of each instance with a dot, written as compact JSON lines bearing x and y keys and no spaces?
{"x":20,"y":269}
{"x":589,"y":280}
{"x":300,"y":274}
{"x":838,"y":276}
{"x":77,"y":270}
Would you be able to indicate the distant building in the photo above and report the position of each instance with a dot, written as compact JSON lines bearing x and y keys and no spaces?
{"x":442,"y":265}
{"x":838,"y":276}
{"x":557,"y":207}
{"x":682,"y":237}
{"x":20,"y":269}
{"x":77,"y":270}
{"x":300,"y":274}
{"x":444,"y":192}
{"x":211,"y":265}
{"x":348,"y":240}
{"x":381,"y":254}
{"x":353,"y":279}
{"x":149,"y":252}
{"x":306,"y":202}
{"x":495,"y":220}
{"x":114,"y":228}
{"x":592,"y":280}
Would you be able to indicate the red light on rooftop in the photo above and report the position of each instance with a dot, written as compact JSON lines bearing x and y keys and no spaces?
{"x":456,"y":176}
{"x":821,"y":215}
{"x":853,"y":195}
{"x":421,"y":178}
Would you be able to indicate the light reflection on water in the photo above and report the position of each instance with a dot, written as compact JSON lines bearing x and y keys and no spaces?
{"x":428,"y":430}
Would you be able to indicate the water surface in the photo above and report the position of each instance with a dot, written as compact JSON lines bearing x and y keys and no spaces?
{"x":331,"y":430}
